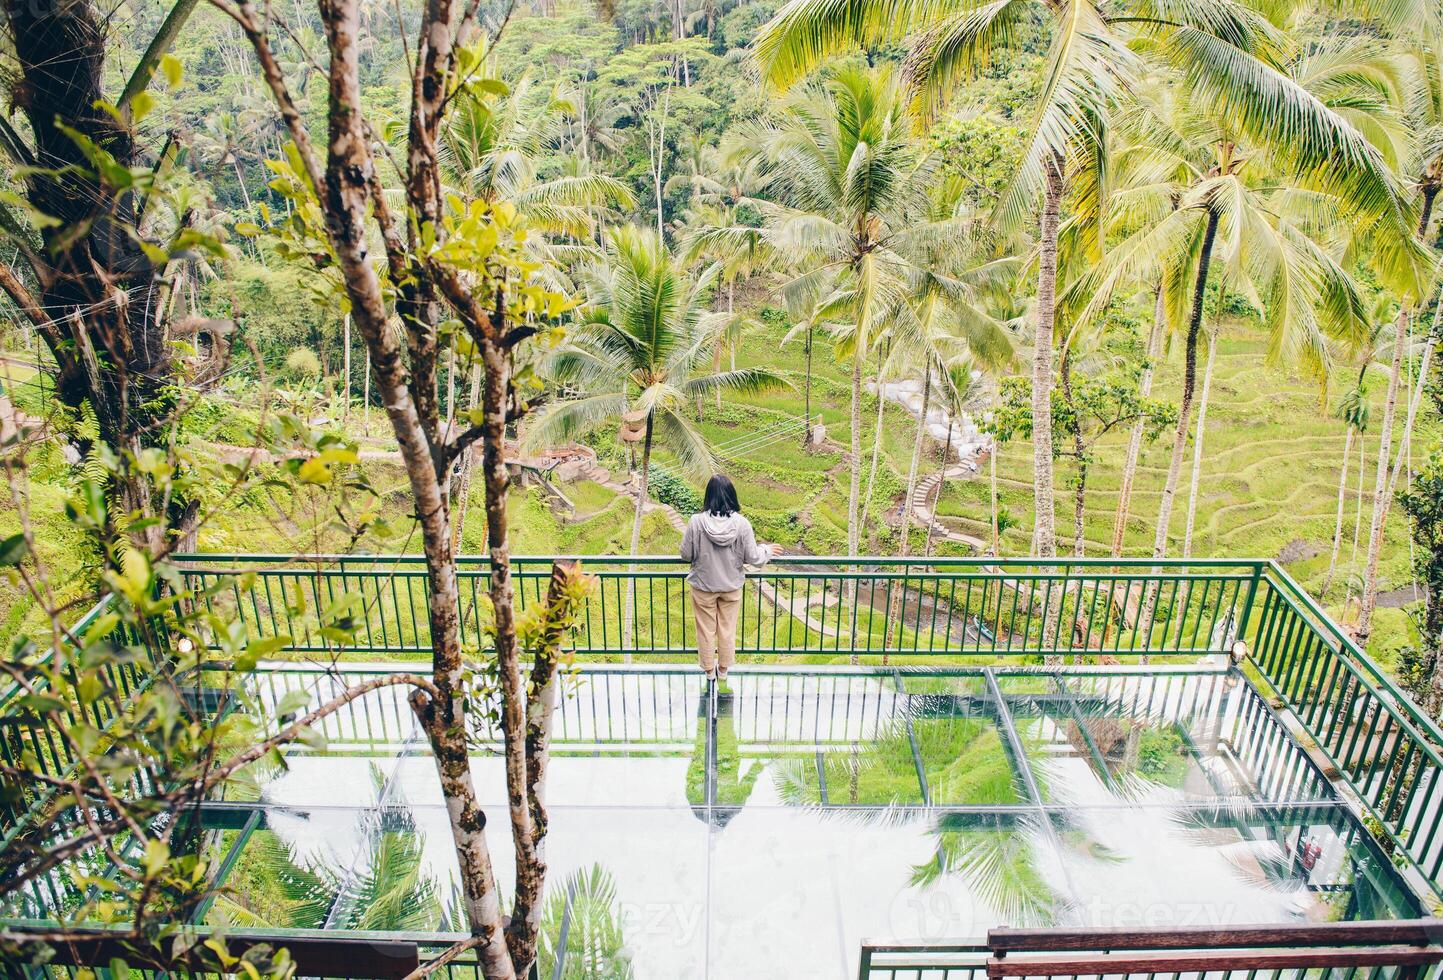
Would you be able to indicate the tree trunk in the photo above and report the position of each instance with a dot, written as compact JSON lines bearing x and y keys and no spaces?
{"x":876,"y":445}
{"x":941,"y":486}
{"x":642,"y":483}
{"x":1358,"y":508}
{"x":1044,"y":535}
{"x":896,"y":606}
{"x":1079,"y":452}
{"x":1189,"y":382}
{"x":992,"y":493}
{"x":1342,"y":498}
{"x":1134,"y":439}
{"x":1370,"y":595}
{"x":1197,"y":447}
{"x":807,"y":430}
{"x":1380,"y":486}
{"x":98,"y":307}
{"x":346,"y":370}
{"x":854,"y":490}
{"x":916,"y":461}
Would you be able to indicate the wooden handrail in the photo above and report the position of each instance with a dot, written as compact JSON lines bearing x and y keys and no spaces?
{"x":1213,"y":961}
{"x":1416,"y":932}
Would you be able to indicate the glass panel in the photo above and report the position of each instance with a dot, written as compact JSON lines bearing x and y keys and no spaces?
{"x":808,"y":739}
{"x":1225,"y":864}
{"x":964,"y":755}
{"x":1096,"y":738}
{"x":835,"y":876}
{"x":292,"y":870}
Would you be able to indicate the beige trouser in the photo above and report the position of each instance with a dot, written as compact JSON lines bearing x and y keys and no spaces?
{"x":716,"y":627}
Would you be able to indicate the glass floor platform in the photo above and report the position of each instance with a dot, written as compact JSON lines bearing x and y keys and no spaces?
{"x":781,"y":820}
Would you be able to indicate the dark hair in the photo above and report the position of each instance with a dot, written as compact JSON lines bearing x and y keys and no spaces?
{"x":721,"y":497}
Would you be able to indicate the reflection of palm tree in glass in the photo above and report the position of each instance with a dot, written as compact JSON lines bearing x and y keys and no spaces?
{"x":584,"y":907}
{"x":390,"y":890}
{"x":732,"y":788}
{"x":386,"y":886}
{"x":999,"y":866}
{"x":1266,"y":851}
{"x":964,"y":763}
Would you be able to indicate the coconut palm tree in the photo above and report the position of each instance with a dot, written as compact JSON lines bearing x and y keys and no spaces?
{"x":639,"y":354}
{"x":1228,"y":53}
{"x":494,"y":142}
{"x":1214,"y":204}
{"x":853,"y":217}
{"x":1353,"y":411}
{"x":725,"y":193}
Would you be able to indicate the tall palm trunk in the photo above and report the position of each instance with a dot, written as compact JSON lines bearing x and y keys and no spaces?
{"x":895,"y":606}
{"x":807,"y":429}
{"x":992,"y":491}
{"x":1370,"y":582}
{"x":1197,"y":446}
{"x":1358,"y":502}
{"x":1079,"y":452}
{"x":941,"y":484}
{"x":916,"y":461}
{"x":1189,"y":383}
{"x":1342,"y":499}
{"x":1145,"y":621}
{"x":1383,"y":485}
{"x":876,"y":445}
{"x":641,"y":491}
{"x":1044,"y":535}
{"x":1380,"y":485}
{"x":854,"y":491}
{"x":1134,"y":439}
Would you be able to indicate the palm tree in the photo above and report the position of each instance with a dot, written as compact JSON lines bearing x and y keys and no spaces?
{"x":1208,"y":205}
{"x":1228,"y":53}
{"x":1354,"y":414}
{"x":494,"y":143}
{"x":723,"y":191}
{"x":1411,"y":286}
{"x":583,"y":913}
{"x":638,"y":353}
{"x":853,"y":217}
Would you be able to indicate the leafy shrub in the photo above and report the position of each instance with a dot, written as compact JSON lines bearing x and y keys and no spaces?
{"x":671,"y":489}
{"x":303,"y":363}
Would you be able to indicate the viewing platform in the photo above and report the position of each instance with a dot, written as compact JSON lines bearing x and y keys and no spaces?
{"x":919,"y":768}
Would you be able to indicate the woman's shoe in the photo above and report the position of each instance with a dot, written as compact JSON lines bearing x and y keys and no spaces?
{"x":721,"y":675}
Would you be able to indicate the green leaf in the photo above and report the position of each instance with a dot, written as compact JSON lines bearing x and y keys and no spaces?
{"x":141,"y":105}
{"x":157,"y":853}
{"x":171,"y":68}
{"x":13,"y":550}
{"x":292,"y":702}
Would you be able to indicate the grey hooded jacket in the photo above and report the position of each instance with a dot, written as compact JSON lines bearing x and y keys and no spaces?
{"x":717,"y":548}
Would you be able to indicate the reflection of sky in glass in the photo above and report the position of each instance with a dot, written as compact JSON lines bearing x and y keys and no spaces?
{"x":774,"y":829}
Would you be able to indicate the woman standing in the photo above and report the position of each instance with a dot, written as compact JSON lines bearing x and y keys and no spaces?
{"x":718,"y":542}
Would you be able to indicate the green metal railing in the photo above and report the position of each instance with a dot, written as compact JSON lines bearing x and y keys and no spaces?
{"x":1389,"y":753}
{"x":951,"y":611}
{"x":819,"y":607}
